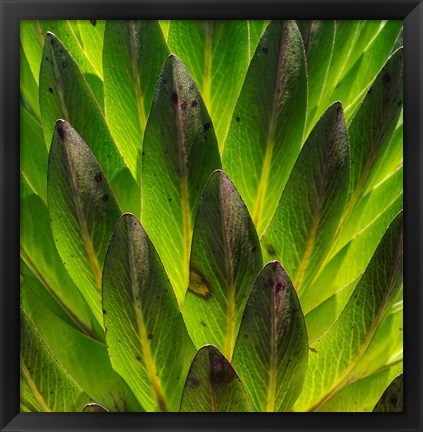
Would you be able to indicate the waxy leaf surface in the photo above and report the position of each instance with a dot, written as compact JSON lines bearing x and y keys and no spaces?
{"x":345,"y":346}
{"x":64,"y":94}
{"x":45,"y":385}
{"x":83,"y":211}
{"x":216,"y":54}
{"x":38,"y":251}
{"x":268,"y":123}
{"x":134,"y":53}
{"x":271,"y":351}
{"x":212,"y":385}
{"x":146,"y":337}
{"x":86,"y":359}
{"x":392,"y":399}
{"x":313,"y":200}
{"x":180,"y":153}
{"x":225,"y":260}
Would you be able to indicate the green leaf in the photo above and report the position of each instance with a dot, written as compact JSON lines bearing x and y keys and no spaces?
{"x":64,"y":94}
{"x":134,"y":53}
{"x":350,"y":262}
{"x":268,"y":123}
{"x":212,"y":385}
{"x":85,"y":358}
{"x":313,"y":200}
{"x":271,"y":351}
{"x":164,"y":25}
{"x":180,"y":153}
{"x":45,"y":385}
{"x":362,"y":395}
{"x":28,"y":86}
{"x":92,"y":36}
{"x":33,"y":152}
{"x":83,"y":211}
{"x":361,"y":49}
{"x":225,"y":260}
{"x":146,"y":336}
{"x":319,"y":39}
{"x":32,"y":40}
{"x":392,"y":399}
{"x":216,"y":54}
{"x":344,"y":347}
{"x":373,"y":126}
{"x":255,"y":31}
{"x":39,"y":253}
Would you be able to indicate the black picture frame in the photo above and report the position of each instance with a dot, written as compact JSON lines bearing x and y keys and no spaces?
{"x":11,"y":11}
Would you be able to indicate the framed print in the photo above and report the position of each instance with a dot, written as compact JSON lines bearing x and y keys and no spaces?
{"x":211,"y":215}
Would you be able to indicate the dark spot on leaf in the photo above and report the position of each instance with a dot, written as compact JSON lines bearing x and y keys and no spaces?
{"x":194,"y":103}
{"x":105,"y":197}
{"x":93,"y":22}
{"x":51,"y":42}
{"x":253,"y":249}
{"x":194,"y":383}
{"x":206,"y":126}
{"x":265,"y":50}
{"x":98,"y":178}
{"x":174,"y":97}
{"x":50,"y":90}
{"x":65,"y":64}
{"x":279,"y":287}
{"x":357,"y":302}
{"x":180,"y":86}
{"x":221,"y":372}
{"x":164,"y":81}
{"x":138,"y":358}
{"x":312,"y":349}
{"x":150,"y":336}
{"x":47,"y":58}
{"x":183,"y":105}
{"x":191,"y":87}
{"x":246,"y":336}
{"x":386,"y":78}
{"x":238,"y":119}
{"x":270,"y":282}
{"x":203,"y":323}
{"x":270,"y":250}
{"x":169,"y":199}
{"x":104,"y":312}
{"x":61,"y":132}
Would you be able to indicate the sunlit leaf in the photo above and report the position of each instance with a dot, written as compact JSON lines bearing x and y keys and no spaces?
{"x":180,"y":153}
{"x":216,"y":54}
{"x":313,"y":200}
{"x":267,"y":126}
{"x":134,"y":53}
{"x":64,"y":94}
{"x":225,"y":260}
{"x":272,"y":349}
{"x":83,"y":211}
{"x":146,"y":336}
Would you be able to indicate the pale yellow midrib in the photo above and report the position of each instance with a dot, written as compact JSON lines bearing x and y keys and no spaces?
{"x":33,"y":387}
{"x":142,"y":335}
{"x":206,"y":93}
{"x":343,"y":379}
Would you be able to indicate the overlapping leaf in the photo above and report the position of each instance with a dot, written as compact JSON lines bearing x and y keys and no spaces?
{"x":83,"y":211}
{"x":357,"y":326}
{"x":85,"y":359}
{"x":45,"y":385}
{"x":271,"y":351}
{"x":392,"y":399}
{"x":64,"y":94}
{"x":216,"y":54}
{"x":225,"y":260}
{"x":212,"y":385}
{"x":180,"y":152}
{"x":134,"y":53}
{"x":39,"y":253}
{"x":267,"y":126}
{"x":146,"y":337}
{"x":313,"y":200}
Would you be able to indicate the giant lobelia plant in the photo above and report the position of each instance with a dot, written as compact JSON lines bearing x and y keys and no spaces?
{"x":211,"y":215}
